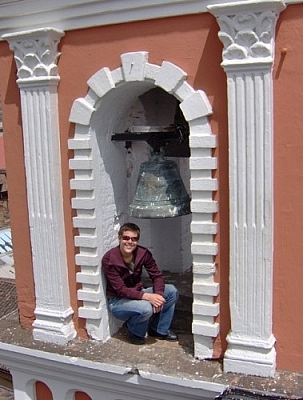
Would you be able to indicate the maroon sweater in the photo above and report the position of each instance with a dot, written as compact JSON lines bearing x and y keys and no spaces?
{"x":121,"y":283}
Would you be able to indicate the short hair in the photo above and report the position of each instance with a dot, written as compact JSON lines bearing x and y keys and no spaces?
{"x":129,"y":226}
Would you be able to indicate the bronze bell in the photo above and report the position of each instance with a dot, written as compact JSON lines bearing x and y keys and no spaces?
{"x":160,"y":191}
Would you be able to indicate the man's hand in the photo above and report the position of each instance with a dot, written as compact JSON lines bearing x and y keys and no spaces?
{"x":156,"y":300}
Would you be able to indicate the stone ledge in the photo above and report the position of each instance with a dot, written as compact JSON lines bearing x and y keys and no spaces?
{"x":170,"y":359}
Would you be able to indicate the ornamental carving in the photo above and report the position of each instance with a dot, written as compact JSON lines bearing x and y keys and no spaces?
{"x":247,"y":35}
{"x":36,"y":57}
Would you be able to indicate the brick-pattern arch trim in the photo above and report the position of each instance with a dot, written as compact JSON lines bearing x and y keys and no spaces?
{"x":196,"y":109}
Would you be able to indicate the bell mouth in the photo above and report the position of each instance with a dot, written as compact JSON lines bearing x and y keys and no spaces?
{"x":160,"y":191}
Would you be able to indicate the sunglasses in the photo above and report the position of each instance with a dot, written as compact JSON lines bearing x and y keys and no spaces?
{"x":127,"y":238}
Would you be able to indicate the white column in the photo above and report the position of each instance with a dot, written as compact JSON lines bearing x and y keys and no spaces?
{"x":36,"y":55}
{"x":247,"y":32}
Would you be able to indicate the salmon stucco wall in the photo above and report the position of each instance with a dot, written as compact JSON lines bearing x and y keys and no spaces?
{"x":189,"y":42}
{"x":2,"y":154}
{"x":192,"y":44}
{"x":13,"y":146}
{"x":288,"y":189}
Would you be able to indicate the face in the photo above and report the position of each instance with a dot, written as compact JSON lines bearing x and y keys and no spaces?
{"x":128,"y":242}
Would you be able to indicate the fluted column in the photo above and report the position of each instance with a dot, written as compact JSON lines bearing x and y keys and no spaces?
{"x":36,"y":55}
{"x":247,"y":32}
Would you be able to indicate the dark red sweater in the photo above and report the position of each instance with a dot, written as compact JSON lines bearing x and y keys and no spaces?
{"x":121,"y":283}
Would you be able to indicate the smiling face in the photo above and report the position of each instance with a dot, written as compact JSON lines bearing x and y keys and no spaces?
{"x":128,"y":242}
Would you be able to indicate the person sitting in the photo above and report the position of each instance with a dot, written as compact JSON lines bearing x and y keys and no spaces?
{"x":144,"y":310}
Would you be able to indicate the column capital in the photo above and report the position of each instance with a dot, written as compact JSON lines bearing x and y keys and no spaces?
{"x":36,"y":53}
{"x":247,"y":30}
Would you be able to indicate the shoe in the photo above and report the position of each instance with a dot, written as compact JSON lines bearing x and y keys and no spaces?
{"x":171,"y":336}
{"x":134,"y":339}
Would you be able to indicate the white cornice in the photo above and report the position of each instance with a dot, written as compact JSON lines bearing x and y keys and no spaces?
{"x":20,"y":15}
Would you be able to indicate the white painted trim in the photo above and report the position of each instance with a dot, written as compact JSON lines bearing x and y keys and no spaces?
{"x":248,"y":65}
{"x":38,"y":82}
{"x":195,"y":106}
{"x":16,"y":16}
{"x":64,"y":375}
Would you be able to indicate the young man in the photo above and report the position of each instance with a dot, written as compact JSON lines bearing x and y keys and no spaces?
{"x":144,"y":310}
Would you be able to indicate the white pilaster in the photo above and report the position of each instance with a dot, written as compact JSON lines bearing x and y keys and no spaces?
{"x":36,"y":55}
{"x":247,"y":32}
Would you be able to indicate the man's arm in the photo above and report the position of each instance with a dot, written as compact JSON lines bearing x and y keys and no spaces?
{"x":157,"y":298}
{"x":155,"y":274}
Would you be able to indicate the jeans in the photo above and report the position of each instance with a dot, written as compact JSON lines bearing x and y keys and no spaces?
{"x":139,"y":315}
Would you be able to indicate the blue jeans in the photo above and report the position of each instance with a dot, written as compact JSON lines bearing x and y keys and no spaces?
{"x":139,"y":315}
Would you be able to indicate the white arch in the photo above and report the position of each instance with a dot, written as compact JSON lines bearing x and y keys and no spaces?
{"x":90,"y":200}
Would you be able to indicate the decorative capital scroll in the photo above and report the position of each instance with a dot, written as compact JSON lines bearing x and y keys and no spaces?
{"x":247,"y":35}
{"x":247,"y":30}
{"x":36,"y":53}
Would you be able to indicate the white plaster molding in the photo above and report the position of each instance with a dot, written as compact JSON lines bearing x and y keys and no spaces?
{"x":195,"y":106}
{"x":16,"y":15}
{"x":64,"y":375}
{"x":36,"y":55}
{"x":247,"y":32}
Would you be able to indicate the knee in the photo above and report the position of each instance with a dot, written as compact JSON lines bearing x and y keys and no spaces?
{"x":171,"y":292}
{"x":146,"y":309}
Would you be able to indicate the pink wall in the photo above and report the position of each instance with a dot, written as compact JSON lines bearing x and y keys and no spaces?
{"x":191,"y":43}
{"x":83,"y":53}
{"x":288,"y":187}
{"x":14,"y":156}
{"x":2,"y":156}
{"x":166,"y":39}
